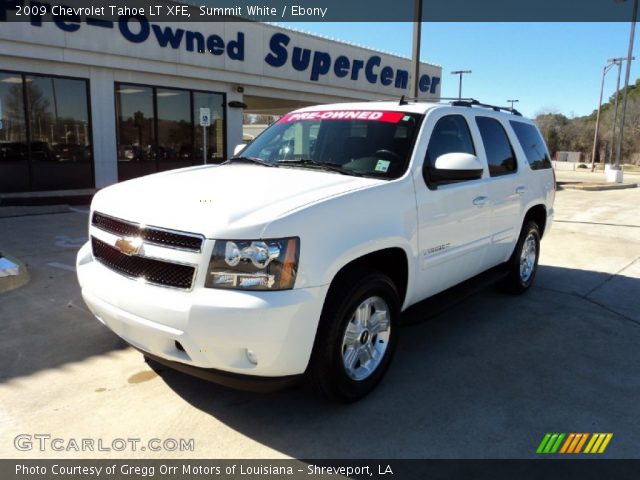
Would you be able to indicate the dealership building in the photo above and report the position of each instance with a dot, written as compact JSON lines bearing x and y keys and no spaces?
{"x":85,"y":103}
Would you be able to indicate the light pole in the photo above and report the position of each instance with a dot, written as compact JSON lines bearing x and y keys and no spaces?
{"x":512,"y":102}
{"x":606,"y":68}
{"x":460,"y":72}
{"x":626,"y":83}
{"x":618,"y":61}
{"x":415,"y":58}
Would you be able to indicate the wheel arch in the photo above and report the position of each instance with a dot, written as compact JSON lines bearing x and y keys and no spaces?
{"x":392,"y":262}
{"x":538,"y":214}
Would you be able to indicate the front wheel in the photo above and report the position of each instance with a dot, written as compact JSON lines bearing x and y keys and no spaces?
{"x":523,"y":264}
{"x":356,"y":337}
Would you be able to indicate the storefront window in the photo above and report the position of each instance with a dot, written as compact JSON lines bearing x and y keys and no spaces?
{"x":50,"y":148}
{"x":158,"y":129}
{"x":60,"y":149}
{"x":136,"y":120}
{"x":14,"y":159}
{"x":175,"y":131}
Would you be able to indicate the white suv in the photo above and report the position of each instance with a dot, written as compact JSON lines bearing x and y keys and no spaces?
{"x":298,"y":255}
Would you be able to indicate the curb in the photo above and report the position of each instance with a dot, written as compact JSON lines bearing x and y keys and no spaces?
{"x":13,"y":282}
{"x":21,"y":211}
{"x":595,"y":187}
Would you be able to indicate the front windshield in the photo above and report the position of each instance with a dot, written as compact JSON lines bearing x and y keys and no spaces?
{"x":364,"y":143}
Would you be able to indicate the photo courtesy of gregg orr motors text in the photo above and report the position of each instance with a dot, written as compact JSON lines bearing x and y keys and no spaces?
{"x":46,"y":443}
{"x":245,"y":468}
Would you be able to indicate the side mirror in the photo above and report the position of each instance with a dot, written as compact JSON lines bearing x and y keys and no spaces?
{"x":238,"y":149}
{"x":455,"y":167}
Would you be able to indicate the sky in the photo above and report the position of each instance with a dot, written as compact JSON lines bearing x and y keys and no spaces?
{"x":548,"y":67}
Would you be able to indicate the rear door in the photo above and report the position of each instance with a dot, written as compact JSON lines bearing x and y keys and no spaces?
{"x":506,"y":187}
{"x":453,"y":218}
{"x":541,"y":181}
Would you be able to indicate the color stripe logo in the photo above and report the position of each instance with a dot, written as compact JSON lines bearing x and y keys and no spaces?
{"x":574,"y":443}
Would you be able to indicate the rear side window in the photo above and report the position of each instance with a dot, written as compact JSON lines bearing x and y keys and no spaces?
{"x":499,"y":152}
{"x":532,"y":144}
{"x":450,"y":135}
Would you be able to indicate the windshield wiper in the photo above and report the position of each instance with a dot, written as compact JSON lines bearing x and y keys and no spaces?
{"x":257,"y":160}
{"x":332,"y":167}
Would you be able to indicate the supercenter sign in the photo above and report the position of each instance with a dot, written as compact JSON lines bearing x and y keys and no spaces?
{"x":282,"y":51}
{"x":319,"y":63}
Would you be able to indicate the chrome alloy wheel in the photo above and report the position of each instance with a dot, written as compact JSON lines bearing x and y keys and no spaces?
{"x":528,"y":258}
{"x":366,"y":338}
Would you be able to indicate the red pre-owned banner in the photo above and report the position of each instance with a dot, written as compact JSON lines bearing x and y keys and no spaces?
{"x":377,"y":116}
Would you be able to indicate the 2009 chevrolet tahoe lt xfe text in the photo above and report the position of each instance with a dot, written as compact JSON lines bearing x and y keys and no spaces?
{"x":298,"y":255}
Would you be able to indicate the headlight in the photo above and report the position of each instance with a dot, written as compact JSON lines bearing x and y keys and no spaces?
{"x":254,"y":264}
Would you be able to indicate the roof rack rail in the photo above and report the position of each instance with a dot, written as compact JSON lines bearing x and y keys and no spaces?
{"x":404,"y":100}
{"x":454,"y":101}
{"x":470,"y":102}
{"x":457,"y":99}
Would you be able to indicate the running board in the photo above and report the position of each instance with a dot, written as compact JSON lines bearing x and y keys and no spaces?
{"x":433,"y":306}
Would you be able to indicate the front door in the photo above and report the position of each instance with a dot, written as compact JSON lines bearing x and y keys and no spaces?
{"x":453,"y":218}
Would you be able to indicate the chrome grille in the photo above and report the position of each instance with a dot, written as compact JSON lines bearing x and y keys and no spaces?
{"x":157,"y":272}
{"x":153,"y":235}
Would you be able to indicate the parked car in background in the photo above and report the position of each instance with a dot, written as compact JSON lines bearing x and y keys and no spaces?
{"x":71,"y":152}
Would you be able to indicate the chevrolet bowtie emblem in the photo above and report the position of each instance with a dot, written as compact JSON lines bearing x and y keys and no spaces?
{"x":129,"y":245}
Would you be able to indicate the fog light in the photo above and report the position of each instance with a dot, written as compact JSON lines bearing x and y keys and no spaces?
{"x":251,"y":356}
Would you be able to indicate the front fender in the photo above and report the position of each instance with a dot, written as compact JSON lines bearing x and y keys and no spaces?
{"x":336,"y":231}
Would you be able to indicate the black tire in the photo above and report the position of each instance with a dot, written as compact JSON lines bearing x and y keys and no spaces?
{"x":515,"y":282}
{"x":327,"y":372}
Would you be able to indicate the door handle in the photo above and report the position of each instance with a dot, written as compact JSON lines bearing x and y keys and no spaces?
{"x":520,"y":190}
{"x":480,"y":201}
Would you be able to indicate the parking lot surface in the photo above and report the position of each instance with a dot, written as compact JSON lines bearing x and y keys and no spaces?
{"x":485,"y":379}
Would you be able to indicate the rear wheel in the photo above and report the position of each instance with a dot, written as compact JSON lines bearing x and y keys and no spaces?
{"x":356,"y":337}
{"x":523,"y":264}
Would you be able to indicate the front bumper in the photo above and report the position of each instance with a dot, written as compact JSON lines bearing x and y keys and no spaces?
{"x":206,"y":328}
{"x":234,"y":380}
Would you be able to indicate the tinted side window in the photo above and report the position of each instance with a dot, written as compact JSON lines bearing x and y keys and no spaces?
{"x":532,"y":144}
{"x":500,"y":155}
{"x":450,"y":135}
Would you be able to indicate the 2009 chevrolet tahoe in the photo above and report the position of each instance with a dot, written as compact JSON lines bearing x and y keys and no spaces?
{"x":297,"y":255}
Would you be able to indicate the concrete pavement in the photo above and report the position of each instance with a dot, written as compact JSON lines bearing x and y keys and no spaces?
{"x":485,"y":379}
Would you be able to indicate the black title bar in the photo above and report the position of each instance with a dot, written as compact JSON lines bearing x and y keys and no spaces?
{"x":319,"y":10}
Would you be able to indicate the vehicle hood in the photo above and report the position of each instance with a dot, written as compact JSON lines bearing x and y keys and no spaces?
{"x":214,"y":200}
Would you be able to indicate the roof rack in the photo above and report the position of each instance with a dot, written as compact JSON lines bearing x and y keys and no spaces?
{"x":456,"y":102}
{"x":404,"y":100}
{"x":471,"y":102}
